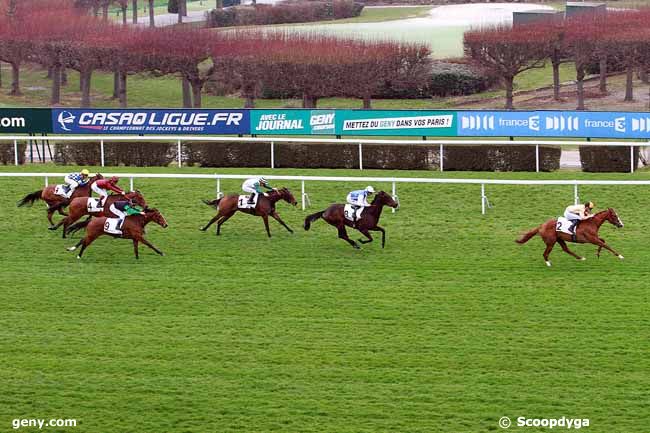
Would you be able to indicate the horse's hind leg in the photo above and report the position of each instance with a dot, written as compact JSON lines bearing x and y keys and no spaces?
{"x":366,"y":234}
{"x":221,"y":221}
{"x":566,"y":249}
{"x":344,"y":235}
{"x":547,"y":251}
{"x":266,"y":224}
{"x":50,"y":213}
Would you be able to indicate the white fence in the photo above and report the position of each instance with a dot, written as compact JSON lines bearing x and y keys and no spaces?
{"x":393,"y":180}
{"x":180,"y":139}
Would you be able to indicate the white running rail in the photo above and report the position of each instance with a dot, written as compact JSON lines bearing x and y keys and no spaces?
{"x":393,"y":180}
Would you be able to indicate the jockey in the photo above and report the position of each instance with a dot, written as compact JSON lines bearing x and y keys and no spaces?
{"x":577,"y":213}
{"x":102,"y":185}
{"x":359,"y":198}
{"x":256,"y":186}
{"x":124,"y":208}
{"x":76,"y":179}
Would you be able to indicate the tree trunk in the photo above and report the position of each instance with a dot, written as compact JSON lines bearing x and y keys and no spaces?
{"x":122,"y":91}
{"x":250,"y":101}
{"x":152,"y":22}
{"x":64,"y":76}
{"x":308,"y":101}
{"x":196,"y":93}
{"x":49,"y":73}
{"x":509,"y":83}
{"x":180,"y":12}
{"x":0,"y":74}
{"x":116,"y":85}
{"x":135,"y":11}
{"x":183,"y":5}
{"x":124,"y":19}
{"x":82,"y":85}
{"x":367,"y":104}
{"x":85,"y":93}
{"x":603,"y":75}
{"x":15,"y":79}
{"x":105,"y":11}
{"x":187,"y":94}
{"x":556,"y":80}
{"x":629,"y":84}
{"x":56,"y":85}
{"x":580,"y":76}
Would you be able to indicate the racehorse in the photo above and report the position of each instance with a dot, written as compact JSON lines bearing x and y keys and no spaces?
{"x":56,"y":202}
{"x":586,"y":232}
{"x":133,"y":228}
{"x":79,"y":207}
{"x":265,"y":207}
{"x":334,"y":215}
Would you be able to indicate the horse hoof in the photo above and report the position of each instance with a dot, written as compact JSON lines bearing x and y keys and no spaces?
{"x":71,"y":248}
{"x":51,"y":228}
{"x":582,"y":259}
{"x":78,"y":257}
{"x":620,"y":257}
{"x":548,"y":264}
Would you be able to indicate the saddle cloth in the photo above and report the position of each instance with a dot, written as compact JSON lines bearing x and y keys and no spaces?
{"x":563,"y":225}
{"x":348,"y":211}
{"x":61,"y":189}
{"x":110,"y":226}
{"x":242,"y":203}
{"x":92,"y":205}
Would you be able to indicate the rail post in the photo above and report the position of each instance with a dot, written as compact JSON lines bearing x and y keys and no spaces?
{"x":179,"y":150}
{"x":576,"y":197}
{"x":442,"y":157}
{"x":302,"y":193}
{"x":631,"y":159}
{"x":219,"y":193}
{"x":360,"y":157}
{"x":15,"y":152}
{"x":101,"y":151}
{"x":395,"y":194}
{"x":47,"y":181}
{"x":483,"y":198}
{"x":272,"y":155}
{"x":537,"y":158}
{"x":131,"y":184}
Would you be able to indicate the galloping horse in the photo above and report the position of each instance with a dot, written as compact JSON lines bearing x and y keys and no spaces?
{"x":586,"y":232}
{"x":79,"y":207}
{"x":334,"y":215}
{"x":265,"y":207}
{"x":133,"y":228}
{"x":56,"y":202}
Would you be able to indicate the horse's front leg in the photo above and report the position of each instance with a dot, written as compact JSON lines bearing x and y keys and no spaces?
{"x":276,"y":217}
{"x":266,"y":224}
{"x":150,"y":245}
{"x":566,"y":249}
{"x":383,"y":234}
{"x":135,"y":248}
{"x":212,"y":221}
{"x":601,"y":244}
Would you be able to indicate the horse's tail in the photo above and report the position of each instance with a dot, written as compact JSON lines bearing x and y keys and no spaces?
{"x":74,"y":228}
{"x":526,"y":237}
{"x":214,"y":202}
{"x":29,"y":199}
{"x":311,"y":218}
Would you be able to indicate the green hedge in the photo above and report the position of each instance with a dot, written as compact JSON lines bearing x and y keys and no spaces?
{"x":600,"y":159}
{"x":500,"y":158}
{"x":141,"y":154}
{"x":7,"y":156}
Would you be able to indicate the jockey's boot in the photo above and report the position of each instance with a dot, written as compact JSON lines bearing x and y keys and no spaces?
{"x":572,"y":229}
{"x":251,"y":199}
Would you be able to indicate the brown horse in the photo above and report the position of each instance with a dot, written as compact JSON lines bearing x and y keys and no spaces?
{"x":79,"y":207}
{"x":586,"y":232}
{"x":334,"y":216}
{"x":56,"y":202}
{"x":133,"y":228}
{"x":265,"y":207}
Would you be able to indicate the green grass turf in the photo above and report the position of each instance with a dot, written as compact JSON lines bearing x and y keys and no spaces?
{"x":449,"y":328}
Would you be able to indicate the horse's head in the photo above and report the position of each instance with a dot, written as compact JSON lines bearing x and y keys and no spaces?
{"x":286,"y":195}
{"x":137,"y":197}
{"x":97,"y":176}
{"x":153,"y":214}
{"x":383,"y":198}
{"x":613,"y":218}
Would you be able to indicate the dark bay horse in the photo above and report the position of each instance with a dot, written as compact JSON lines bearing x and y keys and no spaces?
{"x":56,"y":203}
{"x":265,"y":207}
{"x":586,"y":233}
{"x":133,"y":228}
{"x":334,"y":216}
{"x":79,"y":207}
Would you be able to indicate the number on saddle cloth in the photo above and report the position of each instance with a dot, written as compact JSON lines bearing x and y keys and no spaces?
{"x":111,"y":226}
{"x":92,"y":205}
{"x":242,"y":202}
{"x":62,"y":189}
{"x":349,"y":210}
{"x":563,"y":225}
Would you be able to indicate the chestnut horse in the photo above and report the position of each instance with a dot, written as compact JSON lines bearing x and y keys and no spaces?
{"x":56,"y":202}
{"x":79,"y":207}
{"x":586,"y":232}
{"x":334,"y":216}
{"x":265,"y":207}
{"x":133,"y":228}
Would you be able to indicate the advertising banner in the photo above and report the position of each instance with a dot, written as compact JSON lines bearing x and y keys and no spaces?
{"x":402,"y":122}
{"x":595,"y":124}
{"x":127,"y":121}
{"x":25,"y":120}
{"x":292,"y":122}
